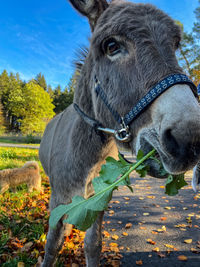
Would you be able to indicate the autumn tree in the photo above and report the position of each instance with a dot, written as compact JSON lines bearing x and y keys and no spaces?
{"x":33,"y":108}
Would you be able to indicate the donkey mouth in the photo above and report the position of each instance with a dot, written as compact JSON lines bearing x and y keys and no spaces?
{"x":163,"y":163}
{"x":155,"y":166}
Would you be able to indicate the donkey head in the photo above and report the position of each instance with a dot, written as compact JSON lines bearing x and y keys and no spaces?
{"x":132,"y":48}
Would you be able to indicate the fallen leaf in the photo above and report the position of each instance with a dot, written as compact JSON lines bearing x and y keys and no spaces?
{"x":113,"y":244}
{"x":146,"y":214}
{"x":182,"y":258}
{"x":194,"y":250}
{"x":163,"y":218}
{"x":128,"y":225}
{"x":180,"y":225}
{"x":156,"y":249}
{"x":125,"y":234}
{"x":127,"y":198}
{"x":162,"y":230}
{"x":115,"y":237}
{"x":169,"y":246}
{"x":106,"y":234}
{"x":150,"y":241}
{"x":111,"y":212}
{"x":139,"y":262}
{"x":188,"y":241}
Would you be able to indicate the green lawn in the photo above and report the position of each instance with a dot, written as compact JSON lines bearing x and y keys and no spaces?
{"x":29,"y":139}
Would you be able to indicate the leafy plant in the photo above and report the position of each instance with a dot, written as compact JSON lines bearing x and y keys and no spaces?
{"x":83,"y":212}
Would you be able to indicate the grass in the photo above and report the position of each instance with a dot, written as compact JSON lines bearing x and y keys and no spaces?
{"x":15,"y":139}
{"x":24,"y":219}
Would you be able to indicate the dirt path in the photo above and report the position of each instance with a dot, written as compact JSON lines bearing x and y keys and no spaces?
{"x":152,"y":214}
{"x":19,"y":145}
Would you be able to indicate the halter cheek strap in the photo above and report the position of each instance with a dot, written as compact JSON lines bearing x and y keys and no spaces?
{"x":123,"y":133}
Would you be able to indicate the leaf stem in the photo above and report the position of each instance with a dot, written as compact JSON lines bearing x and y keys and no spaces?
{"x":126,"y":174}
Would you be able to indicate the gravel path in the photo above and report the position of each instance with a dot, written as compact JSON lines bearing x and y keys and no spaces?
{"x":151,"y":214}
{"x":19,"y":145}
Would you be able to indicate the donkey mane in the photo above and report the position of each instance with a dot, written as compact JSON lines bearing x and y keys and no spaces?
{"x":81,"y":54}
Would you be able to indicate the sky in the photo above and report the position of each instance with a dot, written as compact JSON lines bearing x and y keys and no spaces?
{"x":44,"y":35}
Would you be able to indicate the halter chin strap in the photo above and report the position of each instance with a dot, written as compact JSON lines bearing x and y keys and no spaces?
{"x":123,"y":133}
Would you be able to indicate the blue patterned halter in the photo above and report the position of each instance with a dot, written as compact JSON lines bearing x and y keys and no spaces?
{"x":123,"y":134}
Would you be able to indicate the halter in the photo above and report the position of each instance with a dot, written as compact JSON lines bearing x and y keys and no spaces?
{"x":123,"y":134}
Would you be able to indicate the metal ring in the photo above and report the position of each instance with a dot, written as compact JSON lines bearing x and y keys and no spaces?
{"x":123,"y":135}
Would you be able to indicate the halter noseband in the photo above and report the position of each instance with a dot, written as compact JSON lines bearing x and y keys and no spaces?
{"x":123,"y":134}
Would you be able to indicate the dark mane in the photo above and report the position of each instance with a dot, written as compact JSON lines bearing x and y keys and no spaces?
{"x":81,"y":55}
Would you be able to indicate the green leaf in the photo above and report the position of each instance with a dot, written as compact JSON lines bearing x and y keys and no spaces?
{"x":174,"y":183}
{"x":83,"y":212}
{"x":77,"y":212}
{"x":123,"y":161}
{"x":140,"y":155}
{"x":112,"y":170}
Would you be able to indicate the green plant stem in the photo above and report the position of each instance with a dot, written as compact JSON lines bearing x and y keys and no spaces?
{"x":126,"y":174}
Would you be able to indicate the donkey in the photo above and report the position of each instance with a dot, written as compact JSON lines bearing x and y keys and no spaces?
{"x":132,"y":50}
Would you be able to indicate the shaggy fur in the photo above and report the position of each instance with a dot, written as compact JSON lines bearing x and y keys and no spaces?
{"x":29,"y":174}
{"x":72,"y":153}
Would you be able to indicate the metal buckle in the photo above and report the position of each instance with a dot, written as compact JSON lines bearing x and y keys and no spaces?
{"x":123,"y":135}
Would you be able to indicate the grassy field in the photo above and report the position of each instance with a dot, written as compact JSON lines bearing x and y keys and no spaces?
{"x":14,"y":139}
{"x":24,"y":220}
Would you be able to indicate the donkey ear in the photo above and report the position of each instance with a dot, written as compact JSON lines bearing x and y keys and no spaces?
{"x":92,"y":9}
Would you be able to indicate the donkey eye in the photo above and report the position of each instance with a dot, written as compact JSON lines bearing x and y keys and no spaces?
{"x":111,"y":47}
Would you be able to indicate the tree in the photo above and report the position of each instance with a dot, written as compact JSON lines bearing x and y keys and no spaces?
{"x":189,"y":52}
{"x":4,"y":82}
{"x":62,"y":100}
{"x":2,"y":121}
{"x":41,"y":81}
{"x":196,"y":28}
{"x":50,"y":91}
{"x":33,"y":108}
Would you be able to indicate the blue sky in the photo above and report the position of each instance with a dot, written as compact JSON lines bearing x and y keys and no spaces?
{"x":43,"y":35}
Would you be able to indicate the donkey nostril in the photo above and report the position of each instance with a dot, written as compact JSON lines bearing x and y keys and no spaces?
{"x":181,"y":146}
{"x":170,"y":142}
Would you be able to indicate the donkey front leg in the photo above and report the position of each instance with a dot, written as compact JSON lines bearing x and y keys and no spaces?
{"x":55,"y":239}
{"x":93,"y":242}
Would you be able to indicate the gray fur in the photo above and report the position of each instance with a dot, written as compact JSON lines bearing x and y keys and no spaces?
{"x":72,"y":154}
